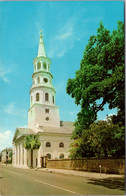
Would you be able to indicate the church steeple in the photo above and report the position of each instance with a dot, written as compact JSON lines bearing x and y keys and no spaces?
{"x":41,"y":49}
{"x":43,"y":110}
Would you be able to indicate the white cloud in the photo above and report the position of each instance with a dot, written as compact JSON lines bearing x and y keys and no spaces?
{"x":64,"y":40}
{"x":66,"y":32}
{"x":64,"y":36}
{"x":3,"y":73}
{"x":9,"y":109}
{"x":6,"y":139}
{"x":60,"y":48}
{"x":15,"y":111}
{"x":64,"y":50}
{"x":71,"y":113}
{"x":109,"y":115}
{"x":60,"y":86}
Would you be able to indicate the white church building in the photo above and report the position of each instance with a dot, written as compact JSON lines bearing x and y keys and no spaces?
{"x":43,"y":119}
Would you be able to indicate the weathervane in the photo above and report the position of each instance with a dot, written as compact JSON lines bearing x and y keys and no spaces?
{"x":41,"y":32}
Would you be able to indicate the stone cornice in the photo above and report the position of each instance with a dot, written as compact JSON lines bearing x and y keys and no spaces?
{"x":42,"y":86}
{"x":19,"y":139}
{"x":54,"y":134}
{"x":40,"y":58}
{"x":45,"y":72}
{"x":40,"y":104}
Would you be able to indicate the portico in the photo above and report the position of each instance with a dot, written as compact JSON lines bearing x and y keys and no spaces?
{"x":20,"y":154}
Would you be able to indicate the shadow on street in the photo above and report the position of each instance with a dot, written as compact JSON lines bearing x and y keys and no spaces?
{"x":112,"y":183}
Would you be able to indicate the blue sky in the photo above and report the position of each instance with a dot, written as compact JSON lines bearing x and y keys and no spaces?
{"x":67,"y":27}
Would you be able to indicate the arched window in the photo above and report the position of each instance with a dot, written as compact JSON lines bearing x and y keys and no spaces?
{"x":37,"y":96}
{"x":38,"y":79}
{"x":44,"y":65}
{"x":48,"y":144}
{"x":46,"y":110}
{"x":61,"y":144}
{"x":48,"y":156}
{"x":53,"y":99}
{"x":46,"y":97}
{"x":61,"y":156}
{"x":38,"y":65}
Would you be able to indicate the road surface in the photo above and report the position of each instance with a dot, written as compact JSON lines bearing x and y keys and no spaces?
{"x":15,"y":181}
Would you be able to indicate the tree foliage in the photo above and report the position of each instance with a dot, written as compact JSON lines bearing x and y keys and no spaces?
{"x":101,"y":75}
{"x":32,"y":142}
{"x":101,"y":139}
{"x":100,"y":79}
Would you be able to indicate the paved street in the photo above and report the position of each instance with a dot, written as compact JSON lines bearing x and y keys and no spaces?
{"x":15,"y":181}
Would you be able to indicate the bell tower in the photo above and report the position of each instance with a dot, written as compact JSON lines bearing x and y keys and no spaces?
{"x":42,"y":111}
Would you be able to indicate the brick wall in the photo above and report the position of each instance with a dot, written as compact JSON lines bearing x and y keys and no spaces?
{"x":113,"y":166}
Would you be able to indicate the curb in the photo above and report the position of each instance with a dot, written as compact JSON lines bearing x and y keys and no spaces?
{"x":85,"y":174}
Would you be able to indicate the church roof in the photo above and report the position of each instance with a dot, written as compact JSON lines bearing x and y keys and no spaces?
{"x":6,"y":149}
{"x":65,"y":128}
{"x":25,"y":131}
{"x":22,"y":132}
{"x":66,"y":123}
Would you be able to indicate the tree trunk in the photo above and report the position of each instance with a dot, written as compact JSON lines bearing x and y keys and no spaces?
{"x":31,"y":158}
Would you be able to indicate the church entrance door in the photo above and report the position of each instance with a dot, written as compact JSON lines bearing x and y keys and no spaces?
{"x":42,"y":161}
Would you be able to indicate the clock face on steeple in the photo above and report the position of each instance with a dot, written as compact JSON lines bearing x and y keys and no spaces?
{"x":45,"y":80}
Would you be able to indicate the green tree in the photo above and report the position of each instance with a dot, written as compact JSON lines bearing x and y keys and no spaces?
{"x":100,"y":79}
{"x":101,"y":139}
{"x":32,"y":142}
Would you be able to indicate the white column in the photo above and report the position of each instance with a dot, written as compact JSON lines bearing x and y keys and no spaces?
{"x":13,"y":152}
{"x":39,"y":163}
{"x":25,"y":157}
{"x":18,"y":158}
{"x":21,"y":157}
{"x":15,"y":155}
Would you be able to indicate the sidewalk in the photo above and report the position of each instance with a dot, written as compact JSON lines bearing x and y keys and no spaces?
{"x":80,"y":173}
{"x":75,"y":173}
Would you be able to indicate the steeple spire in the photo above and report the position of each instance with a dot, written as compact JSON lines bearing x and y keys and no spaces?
{"x":43,"y":110}
{"x":41,"y":49}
